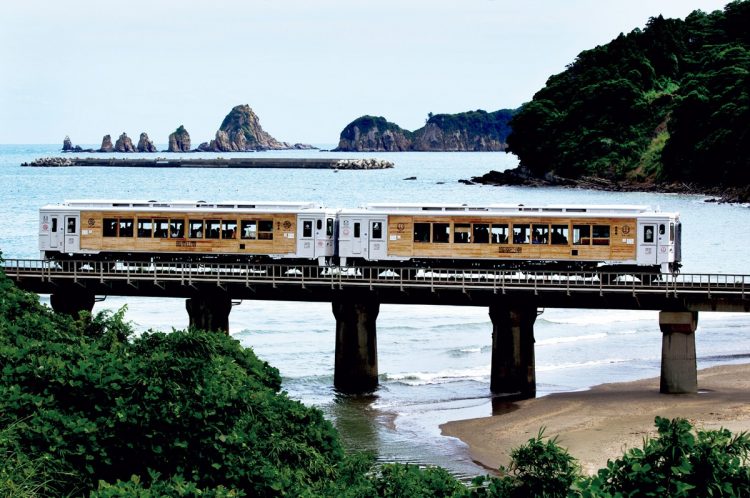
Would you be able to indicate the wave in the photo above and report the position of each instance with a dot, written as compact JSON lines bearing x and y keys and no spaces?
{"x":725,"y":357}
{"x":479,"y":374}
{"x":461,"y":352}
{"x":575,"y":338}
{"x":581,"y":364}
{"x":596,"y":317}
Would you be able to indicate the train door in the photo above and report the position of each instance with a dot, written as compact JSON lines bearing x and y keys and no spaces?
{"x":377,"y":244}
{"x":647,"y":243}
{"x":306,"y":237}
{"x":357,"y":237}
{"x":71,"y":240}
{"x":54,"y":226}
{"x":324,"y":230}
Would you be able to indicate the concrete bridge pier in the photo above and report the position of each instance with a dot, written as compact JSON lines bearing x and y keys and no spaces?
{"x":209,"y":310}
{"x":513,"y":369}
{"x":679,"y":372}
{"x":71,"y":300}
{"x":356,"y":363}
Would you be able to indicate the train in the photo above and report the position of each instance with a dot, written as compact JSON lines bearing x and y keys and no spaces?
{"x":623,"y":238}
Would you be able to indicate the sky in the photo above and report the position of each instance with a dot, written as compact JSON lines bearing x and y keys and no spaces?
{"x":307,"y":68}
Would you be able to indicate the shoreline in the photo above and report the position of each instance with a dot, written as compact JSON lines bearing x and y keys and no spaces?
{"x":603,"y":422}
{"x":520,"y":176}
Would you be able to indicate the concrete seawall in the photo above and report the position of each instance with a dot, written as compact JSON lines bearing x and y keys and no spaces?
{"x":234,"y":162}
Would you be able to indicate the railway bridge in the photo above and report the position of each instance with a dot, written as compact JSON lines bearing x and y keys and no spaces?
{"x":512,"y":297}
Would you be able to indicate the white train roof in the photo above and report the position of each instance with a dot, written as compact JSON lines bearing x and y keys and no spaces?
{"x":183,"y":204}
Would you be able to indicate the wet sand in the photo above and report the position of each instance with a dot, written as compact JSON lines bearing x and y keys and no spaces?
{"x":605,"y":421}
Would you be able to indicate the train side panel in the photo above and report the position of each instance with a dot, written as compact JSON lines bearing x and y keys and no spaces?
{"x":154,"y":233}
{"x":512,"y":239}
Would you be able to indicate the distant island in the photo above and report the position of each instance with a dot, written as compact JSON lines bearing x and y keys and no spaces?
{"x":665,"y":108}
{"x":468,"y":131}
{"x":239,"y":132}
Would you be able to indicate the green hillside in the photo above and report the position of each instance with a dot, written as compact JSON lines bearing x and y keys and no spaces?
{"x":669,"y":103}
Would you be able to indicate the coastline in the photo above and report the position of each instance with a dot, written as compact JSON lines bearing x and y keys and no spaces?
{"x":606,"y":420}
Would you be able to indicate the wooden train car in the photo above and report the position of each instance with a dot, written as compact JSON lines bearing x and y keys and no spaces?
{"x":622,"y":238}
{"x":618,"y":238}
{"x":187,"y":231}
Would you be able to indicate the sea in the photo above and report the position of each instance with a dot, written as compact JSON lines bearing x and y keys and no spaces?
{"x":434,"y":361}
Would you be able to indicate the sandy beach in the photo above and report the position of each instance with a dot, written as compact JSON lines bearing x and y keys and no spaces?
{"x":603,"y":422}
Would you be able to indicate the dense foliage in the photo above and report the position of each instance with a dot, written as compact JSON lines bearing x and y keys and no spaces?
{"x":493,"y":125}
{"x":88,"y":409}
{"x":670,"y":102}
{"x":366,"y":123}
{"x":81,"y":403}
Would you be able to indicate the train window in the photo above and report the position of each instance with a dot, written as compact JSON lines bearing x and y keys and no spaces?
{"x":462,"y":233}
{"x":521,"y":234}
{"x":421,"y":232}
{"x":671,"y":232}
{"x":319,"y":225}
{"x":71,"y":225}
{"x":600,"y":235}
{"x":662,"y":229}
{"x":307,"y":228}
{"x":176,"y":228}
{"x":648,"y":234}
{"x":559,"y":235}
{"x":161,"y":228}
{"x":145,"y":228}
{"x":377,"y":230}
{"x":125,"y":227}
{"x":212,"y":229}
{"x":109,"y":227}
{"x":329,"y":227}
{"x":481,"y":233}
{"x":441,"y":232}
{"x":581,"y":235}
{"x":540,"y":235}
{"x":356,"y":230}
{"x":265,"y":229}
{"x":54,"y":224}
{"x":249,"y":229}
{"x":196,"y":229}
{"x":500,"y":234}
{"x":229,"y":229}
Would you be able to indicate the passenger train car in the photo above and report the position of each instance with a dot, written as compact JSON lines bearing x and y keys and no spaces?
{"x":186,"y":231}
{"x":618,"y":238}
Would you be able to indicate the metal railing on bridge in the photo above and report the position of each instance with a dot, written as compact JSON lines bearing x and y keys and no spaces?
{"x":372,"y":277}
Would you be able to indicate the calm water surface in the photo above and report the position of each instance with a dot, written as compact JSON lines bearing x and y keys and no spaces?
{"x":434,"y":361}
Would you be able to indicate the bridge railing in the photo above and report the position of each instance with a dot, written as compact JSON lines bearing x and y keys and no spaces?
{"x":498,"y":281}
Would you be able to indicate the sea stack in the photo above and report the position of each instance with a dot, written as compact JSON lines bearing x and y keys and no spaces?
{"x":107,"y":144}
{"x":145,"y":144}
{"x":179,"y":141}
{"x":124,"y":144}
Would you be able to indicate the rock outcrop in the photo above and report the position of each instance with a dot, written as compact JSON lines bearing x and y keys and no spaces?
{"x":124,"y":144}
{"x":469,"y":131}
{"x":179,"y":140}
{"x":67,"y":144}
{"x":371,"y":133}
{"x":107,"y":144}
{"x":145,"y":144}
{"x":241,"y":131}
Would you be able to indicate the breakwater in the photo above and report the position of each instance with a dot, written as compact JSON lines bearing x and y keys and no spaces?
{"x":234,"y":162}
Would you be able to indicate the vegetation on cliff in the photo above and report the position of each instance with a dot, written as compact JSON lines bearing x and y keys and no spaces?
{"x":474,"y":130}
{"x":669,"y":103}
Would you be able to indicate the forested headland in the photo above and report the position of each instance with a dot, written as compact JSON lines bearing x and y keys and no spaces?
{"x":665,"y":107}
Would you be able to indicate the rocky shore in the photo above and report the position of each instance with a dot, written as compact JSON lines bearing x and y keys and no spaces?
{"x":239,"y":132}
{"x":521,"y":176}
{"x":234,"y":162}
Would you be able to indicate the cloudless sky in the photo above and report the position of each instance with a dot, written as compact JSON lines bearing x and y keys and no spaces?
{"x":87,"y":68}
